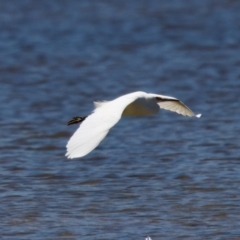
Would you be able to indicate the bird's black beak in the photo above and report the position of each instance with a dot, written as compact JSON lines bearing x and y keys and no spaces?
{"x":76,"y":120}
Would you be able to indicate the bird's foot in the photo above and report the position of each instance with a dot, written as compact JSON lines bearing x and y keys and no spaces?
{"x":76,"y":120}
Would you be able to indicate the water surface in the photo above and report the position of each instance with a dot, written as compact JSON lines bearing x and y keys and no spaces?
{"x":166,"y":176}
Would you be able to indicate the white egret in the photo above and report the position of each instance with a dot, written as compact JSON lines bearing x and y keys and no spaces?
{"x":94,"y":128}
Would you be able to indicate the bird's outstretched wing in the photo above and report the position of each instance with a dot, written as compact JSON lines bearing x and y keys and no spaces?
{"x":90,"y":133}
{"x":96,"y":126}
{"x":175,"y":105}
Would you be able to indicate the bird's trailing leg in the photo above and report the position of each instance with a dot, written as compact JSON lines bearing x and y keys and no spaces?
{"x":76,"y":120}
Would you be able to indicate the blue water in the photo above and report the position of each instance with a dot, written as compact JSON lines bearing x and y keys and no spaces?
{"x":166,"y":176}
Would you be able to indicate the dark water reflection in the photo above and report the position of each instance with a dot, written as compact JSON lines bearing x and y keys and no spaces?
{"x":165,"y":176}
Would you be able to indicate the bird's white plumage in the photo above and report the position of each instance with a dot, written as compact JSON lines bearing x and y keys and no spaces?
{"x":176,"y":106}
{"x":96,"y":126}
{"x":90,"y":134}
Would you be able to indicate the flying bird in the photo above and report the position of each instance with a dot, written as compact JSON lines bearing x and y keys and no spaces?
{"x":94,"y":128}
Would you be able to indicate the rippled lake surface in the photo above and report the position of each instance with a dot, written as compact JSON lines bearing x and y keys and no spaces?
{"x":166,"y":176}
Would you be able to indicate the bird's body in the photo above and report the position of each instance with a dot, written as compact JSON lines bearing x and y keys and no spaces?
{"x":95,"y":127}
